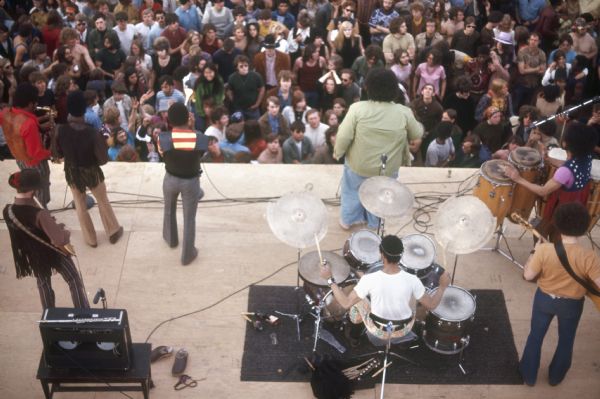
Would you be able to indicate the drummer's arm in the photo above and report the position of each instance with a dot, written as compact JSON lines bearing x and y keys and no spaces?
{"x":347,"y":301}
{"x":550,"y":186}
{"x":432,"y":301}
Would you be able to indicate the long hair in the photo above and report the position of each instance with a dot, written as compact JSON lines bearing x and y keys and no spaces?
{"x":338,"y":43}
{"x":217,"y":82}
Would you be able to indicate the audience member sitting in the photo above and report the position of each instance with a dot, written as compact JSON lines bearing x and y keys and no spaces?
{"x":315,"y":130}
{"x":297,"y":148}
{"x":220,"y":120}
{"x":273,"y":121}
{"x":273,"y":152}
{"x":215,"y":154}
{"x":440,"y":151}
{"x":324,"y":153}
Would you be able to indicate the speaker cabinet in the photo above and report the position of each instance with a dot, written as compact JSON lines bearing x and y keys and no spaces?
{"x":92,"y":339}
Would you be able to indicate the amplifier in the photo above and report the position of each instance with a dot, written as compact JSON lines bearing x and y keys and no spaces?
{"x":93,"y":339}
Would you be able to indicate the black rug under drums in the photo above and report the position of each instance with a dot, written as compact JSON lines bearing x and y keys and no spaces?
{"x":274,"y":354}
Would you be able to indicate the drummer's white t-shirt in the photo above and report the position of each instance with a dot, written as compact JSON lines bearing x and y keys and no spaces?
{"x":390,"y":293}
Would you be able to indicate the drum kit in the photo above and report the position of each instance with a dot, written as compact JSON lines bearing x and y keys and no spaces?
{"x":300,"y":220}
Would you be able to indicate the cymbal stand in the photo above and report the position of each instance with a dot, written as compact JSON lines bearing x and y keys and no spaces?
{"x":298,"y":269}
{"x":317,"y":311}
{"x":461,"y":358}
{"x":454,"y":269}
{"x":381,"y":225}
{"x":499,"y":233}
{"x":296,"y":317}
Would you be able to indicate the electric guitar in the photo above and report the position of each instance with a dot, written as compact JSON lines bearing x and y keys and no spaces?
{"x":593,"y":292}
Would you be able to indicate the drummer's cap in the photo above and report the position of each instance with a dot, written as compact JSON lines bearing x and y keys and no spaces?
{"x":25,"y":180}
{"x":391,"y":246}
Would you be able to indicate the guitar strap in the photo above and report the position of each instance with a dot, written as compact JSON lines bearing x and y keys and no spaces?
{"x":25,"y":230}
{"x":562,"y":255}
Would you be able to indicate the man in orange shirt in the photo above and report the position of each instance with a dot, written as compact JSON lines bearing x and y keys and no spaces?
{"x":558,"y":293}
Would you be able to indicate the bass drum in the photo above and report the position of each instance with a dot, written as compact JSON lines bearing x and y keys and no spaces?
{"x":447,"y":327}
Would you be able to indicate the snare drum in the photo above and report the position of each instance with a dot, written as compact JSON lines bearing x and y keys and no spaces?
{"x":418,"y":255}
{"x":447,"y":327}
{"x":528,"y":161}
{"x":494,"y":188}
{"x":316,"y":287}
{"x":593,"y":202}
{"x":362,"y":250}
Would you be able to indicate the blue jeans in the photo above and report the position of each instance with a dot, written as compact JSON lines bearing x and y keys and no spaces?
{"x":351,"y":210}
{"x":545,"y":308}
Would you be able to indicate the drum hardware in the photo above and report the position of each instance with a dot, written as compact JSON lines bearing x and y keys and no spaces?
{"x":387,"y":353}
{"x":318,"y":310}
{"x":385,"y":197}
{"x":565,"y":113}
{"x":296,"y":317}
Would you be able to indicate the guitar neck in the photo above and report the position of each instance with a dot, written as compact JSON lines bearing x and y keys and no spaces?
{"x":528,"y":226}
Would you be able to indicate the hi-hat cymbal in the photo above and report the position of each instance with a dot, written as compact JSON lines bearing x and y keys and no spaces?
{"x":385,"y":197}
{"x":309,"y":267}
{"x":463,"y":224}
{"x":296,"y":218}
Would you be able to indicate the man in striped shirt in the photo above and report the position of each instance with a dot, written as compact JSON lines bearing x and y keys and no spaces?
{"x":181,"y":149}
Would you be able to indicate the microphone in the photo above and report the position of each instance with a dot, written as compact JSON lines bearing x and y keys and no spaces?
{"x":384,"y":158}
{"x":99,"y":295}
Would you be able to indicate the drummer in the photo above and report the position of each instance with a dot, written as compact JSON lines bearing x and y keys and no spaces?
{"x":390,"y":291}
{"x":570,"y":182}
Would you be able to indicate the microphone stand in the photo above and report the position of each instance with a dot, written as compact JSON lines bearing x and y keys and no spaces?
{"x":563,"y":113}
{"x":381,"y":225}
{"x":100,"y":295}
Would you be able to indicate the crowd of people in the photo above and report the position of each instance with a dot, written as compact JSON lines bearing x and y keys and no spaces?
{"x":271,"y":80}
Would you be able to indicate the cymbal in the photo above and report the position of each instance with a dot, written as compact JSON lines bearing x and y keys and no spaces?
{"x":463,"y":224}
{"x":310,"y":265}
{"x":385,"y":197}
{"x":295,"y":218}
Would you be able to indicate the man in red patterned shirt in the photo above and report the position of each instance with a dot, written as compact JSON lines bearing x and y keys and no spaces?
{"x":22,"y":131}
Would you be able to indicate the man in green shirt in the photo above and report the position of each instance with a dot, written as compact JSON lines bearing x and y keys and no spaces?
{"x":371,"y":129}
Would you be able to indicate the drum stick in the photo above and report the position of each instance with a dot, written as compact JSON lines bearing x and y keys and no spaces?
{"x":249,"y":320}
{"x":309,"y":364}
{"x":319,"y":249}
{"x":375,"y":374}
